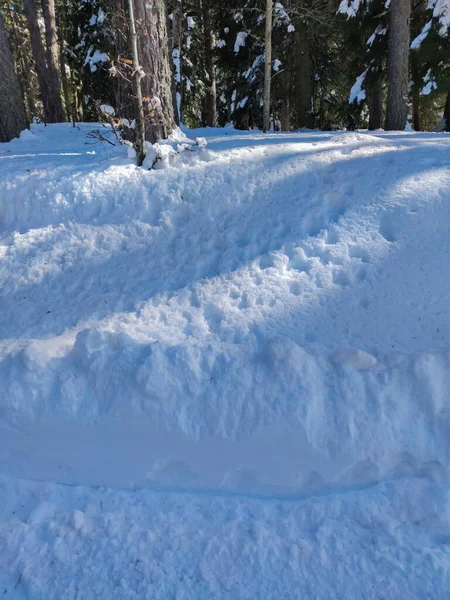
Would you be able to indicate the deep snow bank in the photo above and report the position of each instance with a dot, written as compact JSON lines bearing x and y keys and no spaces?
{"x":270,"y":317}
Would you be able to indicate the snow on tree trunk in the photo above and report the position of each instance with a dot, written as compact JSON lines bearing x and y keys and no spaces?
{"x":376,"y":103}
{"x":176,"y":47}
{"x":137,"y":89}
{"x":398,"y":59}
{"x":48,"y":84}
{"x":153,"y":50}
{"x":267,"y":66}
{"x":209,"y":113}
{"x":12,"y":110}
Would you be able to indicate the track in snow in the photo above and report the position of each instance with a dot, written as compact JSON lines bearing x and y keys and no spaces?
{"x":254,"y":344}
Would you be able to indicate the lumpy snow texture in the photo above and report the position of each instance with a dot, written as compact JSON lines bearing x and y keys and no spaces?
{"x":253,"y":344}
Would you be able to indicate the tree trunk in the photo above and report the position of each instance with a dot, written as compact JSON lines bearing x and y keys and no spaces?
{"x":447,"y":114}
{"x":284,"y":113}
{"x":267,"y":66}
{"x":303,"y":78}
{"x":176,"y":60}
{"x":12,"y":110}
{"x":415,"y":92}
{"x":153,"y":49}
{"x":209,"y":113}
{"x":52,"y":51}
{"x":50,"y":90}
{"x":25,"y":77}
{"x":398,"y":59}
{"x":376,"y":103}
{"x":137,"y":89}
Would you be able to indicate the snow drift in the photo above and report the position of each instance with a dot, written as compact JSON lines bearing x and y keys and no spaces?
{"x":269,"y":319}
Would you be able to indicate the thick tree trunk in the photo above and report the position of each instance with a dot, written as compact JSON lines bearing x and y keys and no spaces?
{"x":398,"y":60}
{"x":25,"y":72}
{"x":209,"y":113}
{"x":12,"y":110}
{"x":303,"y":78}
{"x":176,"y":60}
{"x":50,"y":90}
{"x":52,"y":51}
{"x":376,"y":103}
{"x":153,"y":50}
{"x":267,"y":65}
{"x":137,"y":89}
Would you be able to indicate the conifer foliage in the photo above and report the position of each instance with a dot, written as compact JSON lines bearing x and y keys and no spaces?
{"x":249,"y":63}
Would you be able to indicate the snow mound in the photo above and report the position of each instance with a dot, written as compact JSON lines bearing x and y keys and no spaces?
{"x":259,"y":335}
{"x":213,"y":310}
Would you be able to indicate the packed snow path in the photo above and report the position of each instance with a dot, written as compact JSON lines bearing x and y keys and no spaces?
{"x":261,"y":332}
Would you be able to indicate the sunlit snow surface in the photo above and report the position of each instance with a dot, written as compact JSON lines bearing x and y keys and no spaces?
{"x":228,"y":378}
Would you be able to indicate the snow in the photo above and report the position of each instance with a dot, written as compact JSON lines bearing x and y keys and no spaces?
{"x":430,"y":84}
{"x":190,"y":22}
{"x":350,"y":7}
{"x":357,"y":93}
{"x":276,"y":64}
{"x":228,"y":378}
{"x":107,"y":109}
{"x":379,"y":31}
{"x":94,"y":58}
{"x":441,"y":12}
{"x":239,"y":42}
{"x":417,"y":41}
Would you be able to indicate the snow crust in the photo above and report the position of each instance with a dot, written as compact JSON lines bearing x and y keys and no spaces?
{"x":225,"y":370}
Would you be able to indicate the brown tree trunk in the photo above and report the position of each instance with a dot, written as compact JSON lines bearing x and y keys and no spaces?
{"x":49,"y":86}
{"x":267,"y":65}
{"x":52,"y":51}
{"x":209,"y":113}
{"x":376,"y":103}
{"x":12,"y":110}
{"x":153,"y":50}
{"x":303,"y":78}
{"x":137,"y":89}
{"x":398,"y":60}
{"x":25,"y":77}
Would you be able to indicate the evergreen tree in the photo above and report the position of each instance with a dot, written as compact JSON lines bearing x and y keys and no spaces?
{"x":12,"y":110}
{"x":49,"y":83}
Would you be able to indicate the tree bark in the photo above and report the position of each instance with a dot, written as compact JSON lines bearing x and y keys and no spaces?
{"x":25,"y":77}
{"x":50,"y":90}
{"x":153,"y":49}
{"x":137,"y":89}
{"x":303,"y":78}
{"x":209,"y":113}
{"x":12,"y":109}
{"x":267,"y":65}
{"x":176,"y":60}
{"x":52,"y":51}
{"x":376,"y":103}
{"x":398,"y":61}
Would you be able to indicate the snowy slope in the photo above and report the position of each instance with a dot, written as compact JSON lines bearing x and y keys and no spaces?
{"x":257,"y":340}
